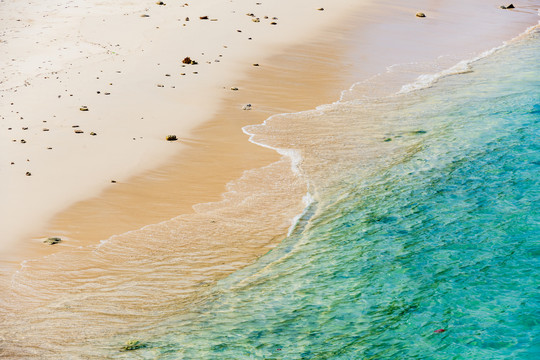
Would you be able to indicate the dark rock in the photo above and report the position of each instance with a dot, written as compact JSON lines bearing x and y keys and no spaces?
{"x":83,"y":108}
{"x":171,"y":138}
{"x":23,"y":141}
{"x":28,"y":173}
{"x":187,"y":19}
{"x":203,"y":17}
{"x":320,"y":9}
{"x":93,"y":133}
{"x":420,"y":14}
{"x":160,"y":3}
{"x":187,"y":60}
{"x":79,"y":131}
{"x":53,"y":240}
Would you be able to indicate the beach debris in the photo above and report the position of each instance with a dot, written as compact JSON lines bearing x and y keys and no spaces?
{"x":420,"y":14}
{"x":256,"y":20}
{"x":28,"y":173}
{"x":160,"y":3}
{"x":246,"y":107}
{"x":52,"y":240}
{"x":171,"y":138}
{"x":79,"y":131}
{"x":439,"y":331}
{"x":187,"y":60}
{"x":133,"y":345}
{"x":203,"y":17}
{"x":511,"y":6}
{"x":83,"y":108}
{"x":234,"y":89}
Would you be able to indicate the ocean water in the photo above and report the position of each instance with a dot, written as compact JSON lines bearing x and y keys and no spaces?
{"x":422,"y":216}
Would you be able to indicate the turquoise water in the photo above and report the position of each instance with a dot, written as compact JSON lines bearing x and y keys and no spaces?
{"x":421,"y":242}
{"x":444,"y":235}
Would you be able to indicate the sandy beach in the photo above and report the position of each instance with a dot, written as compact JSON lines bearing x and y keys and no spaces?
{"x":90,"y":91}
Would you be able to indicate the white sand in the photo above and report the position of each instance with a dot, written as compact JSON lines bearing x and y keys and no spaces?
{"x":56,"y":56}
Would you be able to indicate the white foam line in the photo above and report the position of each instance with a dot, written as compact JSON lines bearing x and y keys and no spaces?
{"x":427,"y":80}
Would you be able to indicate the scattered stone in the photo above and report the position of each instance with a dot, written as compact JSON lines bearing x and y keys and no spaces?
{"x":238,"y":30}
{"x":25,"y":128}
{"x":420,"y":14}
{"x":273,"y":23}
{"x":171,"y":138}
{"x":99,"y":92}
{"x":187,"y":60}
{"x":167,"y":74}
{"x":234,"y":89}
{"x":320,"y":9}
{"x":113,"y":181}
{"x":187,"y":19}
{"x":53,"y":240}
{"x":145,"y":15}
{"x":255,"y":64}
{"x":45,"y":129}
{"x":133,"y":345}
{"x":28,"y":173}
{"x":203,"y":17}
{"x":511,"y":6}
{"x":160,"y":3}
{"x":83,"y":108}
{"x":79,"y":131}
{"x":93,"y":133}
{"x":246,"y":107}
{"x":160,"y":85}
{"x":256,"y":20}
{"x":107,"y":93}
{"x":23,"y":141}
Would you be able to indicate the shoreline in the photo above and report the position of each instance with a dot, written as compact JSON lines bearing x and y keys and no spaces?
{"x":128,"y":112}
{"x":68,"y":221}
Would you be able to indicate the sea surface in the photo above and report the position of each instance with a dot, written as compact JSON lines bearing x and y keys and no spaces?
{"x":427,"y":250}
{"x":420,"y":240}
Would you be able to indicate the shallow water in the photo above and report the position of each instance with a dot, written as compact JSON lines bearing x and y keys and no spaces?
{"x":430,"y":223}
{"x":423,"y":217}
